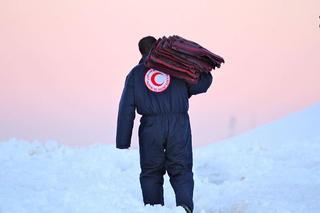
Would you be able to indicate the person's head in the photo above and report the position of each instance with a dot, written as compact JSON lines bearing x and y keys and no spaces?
{"x":146,"y":44}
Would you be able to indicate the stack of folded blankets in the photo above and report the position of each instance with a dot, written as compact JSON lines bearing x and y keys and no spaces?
{"x":182,"y":58}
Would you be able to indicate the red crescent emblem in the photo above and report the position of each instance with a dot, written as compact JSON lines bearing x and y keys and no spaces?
{"x":156,"y":81}
{"x":153,"y":76}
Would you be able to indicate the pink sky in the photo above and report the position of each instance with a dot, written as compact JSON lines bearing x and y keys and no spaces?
{"x":63,"y":63}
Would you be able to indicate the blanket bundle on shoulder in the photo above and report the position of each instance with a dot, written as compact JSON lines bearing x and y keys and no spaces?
{"x":182,"y":58}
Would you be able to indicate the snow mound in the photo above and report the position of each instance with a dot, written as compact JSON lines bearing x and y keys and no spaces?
{"x":273,"y":168}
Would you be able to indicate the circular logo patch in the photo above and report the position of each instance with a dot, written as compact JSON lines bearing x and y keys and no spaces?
{"x":156,"y":81}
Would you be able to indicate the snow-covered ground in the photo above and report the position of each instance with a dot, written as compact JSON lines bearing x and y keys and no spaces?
{"x":271,"y":169}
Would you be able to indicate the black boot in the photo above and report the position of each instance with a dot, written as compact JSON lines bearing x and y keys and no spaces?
{"x":188,"y":210}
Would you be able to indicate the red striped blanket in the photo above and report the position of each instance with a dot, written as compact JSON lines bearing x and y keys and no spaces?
{"x":182,"y":58}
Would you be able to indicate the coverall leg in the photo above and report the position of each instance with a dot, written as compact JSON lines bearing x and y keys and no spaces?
{"x":152,"y":159}
{"x":179,"y":159}
{"x":165,"y":144}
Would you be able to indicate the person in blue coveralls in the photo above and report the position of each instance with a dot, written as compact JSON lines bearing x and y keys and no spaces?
{"x":164,"y":131}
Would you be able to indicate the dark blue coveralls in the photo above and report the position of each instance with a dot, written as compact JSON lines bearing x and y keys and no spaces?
{"x":164,"y":133}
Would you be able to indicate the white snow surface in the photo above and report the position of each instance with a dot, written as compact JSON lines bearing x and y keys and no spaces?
{"x":274,"y":168}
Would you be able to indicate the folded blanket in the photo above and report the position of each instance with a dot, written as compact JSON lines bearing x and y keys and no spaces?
{"x":182,"y":58}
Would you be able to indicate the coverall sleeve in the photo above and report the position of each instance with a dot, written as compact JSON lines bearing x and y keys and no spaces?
{"x":126,"y":114}
{"x":205,"y":80}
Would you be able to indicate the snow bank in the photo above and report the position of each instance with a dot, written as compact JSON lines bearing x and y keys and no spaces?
{"x":274,"y":168}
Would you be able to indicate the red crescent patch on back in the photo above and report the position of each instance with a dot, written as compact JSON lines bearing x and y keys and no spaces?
{"x":156,"y":81}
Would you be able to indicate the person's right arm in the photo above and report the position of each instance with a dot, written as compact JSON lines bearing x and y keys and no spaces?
{"x":205,"y":80}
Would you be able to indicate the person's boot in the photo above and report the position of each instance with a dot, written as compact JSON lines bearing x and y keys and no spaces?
{"x":188,"y":210}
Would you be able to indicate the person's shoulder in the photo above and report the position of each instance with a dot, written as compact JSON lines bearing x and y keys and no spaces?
{"x":135,"y":70}
{"x":138,"y":67}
